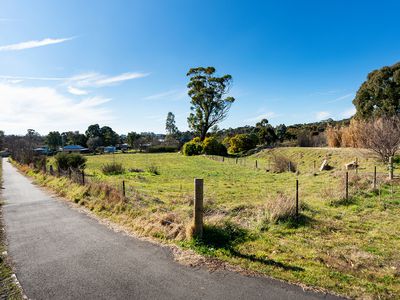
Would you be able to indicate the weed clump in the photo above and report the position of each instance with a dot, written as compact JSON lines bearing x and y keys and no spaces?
{"x":112,"y":169}
{"x":281,"y":208}
{"x":153,"y":169}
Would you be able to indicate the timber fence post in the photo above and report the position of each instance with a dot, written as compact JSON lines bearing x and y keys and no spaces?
{"x":198,"y":207}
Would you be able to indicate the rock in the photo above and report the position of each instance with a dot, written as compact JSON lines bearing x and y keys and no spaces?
{"x":351,"y":165}
{"x":324,"y":166}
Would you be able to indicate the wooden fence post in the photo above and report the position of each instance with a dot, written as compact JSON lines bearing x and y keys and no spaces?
{"x":223,"y":159}
{"x":347,"y":186}
{"x":356,"y":165}
{"x":123,"y":188}
{"x":198,"y":207}
{"x":391,"y":168}
{"x":83,"y":177}
{"x":256,"y":164}
{"x":297,"y":198}
{"x":375,"y":178}
{"x":290,"y":166}
{"x":314,"y":166}
{"x":236,"y":160}
{"x":51,"y":170}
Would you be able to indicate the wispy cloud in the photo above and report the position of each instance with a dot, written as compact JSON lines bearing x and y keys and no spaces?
{"x":171,"y":94}
{"x":119,"y":78}
{"x":75,"y":91}
{"x":338,"y":99}
{"x":83,"y":80}
{"x":324,"y":93}
{"x":34,"y":44}
{"x":45,"y":109}
{"x":33,"y":78}
{"x":348,"y":113}
{"x":322,"y":115}
{"x":268,"y":115}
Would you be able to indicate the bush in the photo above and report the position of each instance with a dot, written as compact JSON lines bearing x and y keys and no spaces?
{"x":242,"y":142}
{"x":112,"y":169}
{"x":160,"y":149}
{"x":192,"y":148}
{"x":70,"y":160}
{"x":153,"y":169}
{"x":282,"y":164}
{"x":211,"y":146}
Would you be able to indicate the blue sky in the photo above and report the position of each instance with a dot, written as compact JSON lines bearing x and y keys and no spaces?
{"x":67,"y":64}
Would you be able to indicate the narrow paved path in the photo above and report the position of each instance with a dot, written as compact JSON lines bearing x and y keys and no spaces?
{"x":60,"y":253}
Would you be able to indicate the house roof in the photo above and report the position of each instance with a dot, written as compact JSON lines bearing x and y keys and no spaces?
{"x":74,"y":147}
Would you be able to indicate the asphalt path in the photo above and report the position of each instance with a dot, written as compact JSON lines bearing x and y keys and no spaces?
{"x":61,"y":253}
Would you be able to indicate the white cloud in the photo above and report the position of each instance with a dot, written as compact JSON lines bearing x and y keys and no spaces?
{"x":344,"y":97}
{"x":33,"y":78}
{"x":33,"y":44}
{"x":171,"y":94}
{"x":45,"y":109}
{"x":322,"y":115}
{"x":75,"y":91}
{"x":268,"y":115}
{"x":85,"y":80}
{"x":93,"y":79}
{"x":119,"y":78}
{"x":348,"y":112}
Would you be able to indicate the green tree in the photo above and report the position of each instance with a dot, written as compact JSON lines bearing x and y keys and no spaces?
{"x":266,"y":133}
{"x":209,"y":104}
{"x":94,"y":142}
{"x":242,"y":142}
{"x":211,"y":146}
{"x":379,"y":95}
{"x":280,"y":132}
{"x":109,"y":136}
{"x":54,"y":140}
{"x":93,"y":131}
{"x":1,"y":139}
{"x":73,"y":138}
{"x":170,"y":125}
{"x":133,"y":140}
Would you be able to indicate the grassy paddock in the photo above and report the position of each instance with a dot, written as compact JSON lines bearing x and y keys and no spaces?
{"x":8,"y":288}
{"x":349,"y":246}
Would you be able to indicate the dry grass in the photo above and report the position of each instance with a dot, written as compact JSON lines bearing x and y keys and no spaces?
{"x":283,"y":164}
{"x":239,"y":230}
{"x":281,"y":208}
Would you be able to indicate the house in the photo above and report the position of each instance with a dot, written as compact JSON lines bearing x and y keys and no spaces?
{"x":74,"y":149}
{"x":43,"y":151}
{"x":110,"y":149}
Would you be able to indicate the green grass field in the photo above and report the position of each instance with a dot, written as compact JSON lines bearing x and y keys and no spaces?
{"x":348,"y":247}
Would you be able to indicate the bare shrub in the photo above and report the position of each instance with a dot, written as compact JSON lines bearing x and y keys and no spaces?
{"x":283,"y":164}
{"x":348,"y":136}
{"x":112,"y":169}
{"x":280,"y":208}
{"x":382,"y":136}
{"x":334,"y":137}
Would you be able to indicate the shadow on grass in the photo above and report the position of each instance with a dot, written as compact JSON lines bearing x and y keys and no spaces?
{"x":228,"y":236}
{"x":297,"y":222}
{"x":343,"y":201}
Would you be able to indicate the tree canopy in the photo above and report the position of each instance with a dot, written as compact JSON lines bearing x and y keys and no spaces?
{"x":170,"y":125}
{"x":209,"y":104}
{"x":54,"y":140}
{"x":379,"y":95}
